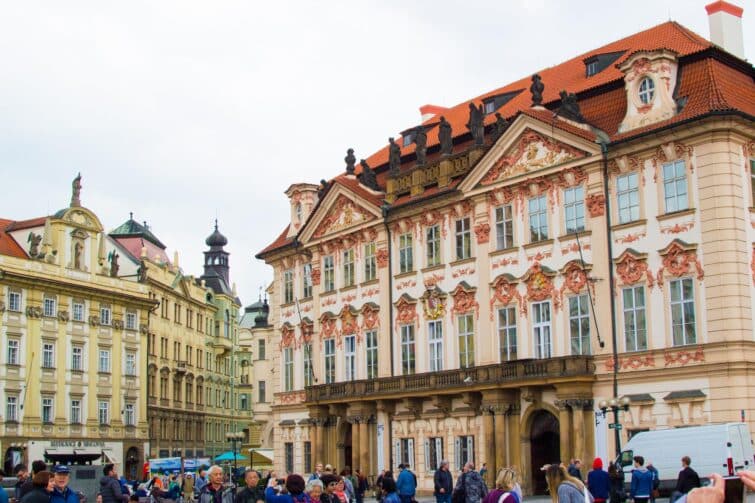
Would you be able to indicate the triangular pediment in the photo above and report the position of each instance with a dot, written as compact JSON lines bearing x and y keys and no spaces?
{"x":340,"y":211}
{"x":527,"y":147}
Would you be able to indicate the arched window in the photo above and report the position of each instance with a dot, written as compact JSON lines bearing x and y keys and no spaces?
{"x":647,"y":90}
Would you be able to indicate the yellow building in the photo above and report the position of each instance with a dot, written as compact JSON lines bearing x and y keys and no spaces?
{"x":467,"y":292}
{"x":74,"y":338}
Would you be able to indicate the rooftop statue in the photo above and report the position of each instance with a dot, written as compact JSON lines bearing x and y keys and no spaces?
{"x":500,"y":125}
{"x":569,"y":108}
{"x":475,"y":124}
{"x":367,"y":176}
{"x":76,"y":191}
{"x":445,"y":135}
{"x":394,"y":157}
{"x":350,"y":160}
{"x":536,"y":89}
{"x":420,"y":140}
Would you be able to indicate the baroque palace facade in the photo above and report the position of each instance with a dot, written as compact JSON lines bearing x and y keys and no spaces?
{"x":453,"y":295}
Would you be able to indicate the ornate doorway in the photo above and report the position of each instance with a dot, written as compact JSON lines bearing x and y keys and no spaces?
{"x":545,"y":447}
{"x":132,"y":464}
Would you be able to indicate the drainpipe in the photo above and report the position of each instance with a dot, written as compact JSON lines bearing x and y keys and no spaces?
{"x":385,"y":208}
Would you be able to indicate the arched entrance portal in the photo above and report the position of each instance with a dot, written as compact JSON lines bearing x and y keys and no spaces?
{"x":132,"y":464}
{"x":545,"y":447}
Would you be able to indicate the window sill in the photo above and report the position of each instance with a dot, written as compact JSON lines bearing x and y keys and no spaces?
{"x":328,"y":292}
{"x":536,"y":244}
{"x":103,"y":373}
{"x":406,"y":274}
{"x":77,"y":371}
{"x":348,"y":288}
{"x":48,"y":369}
{"x":628,"y":225}
{"x":432,"y":268}
{"x":682,"y":213}
{"x":370,"y":282}
{"x":573,"y":236}
{"x":305,"y":299}
{"x":462,"y":261}
{"x":288,"y":304}
{"x":504,"y":251}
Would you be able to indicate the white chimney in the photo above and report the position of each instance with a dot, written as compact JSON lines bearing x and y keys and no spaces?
{"x":725,"y":21}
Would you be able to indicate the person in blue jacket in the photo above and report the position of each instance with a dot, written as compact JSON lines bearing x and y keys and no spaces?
{"x":642,"y":481}
{"x":598,"y":482}
{"x":406,"y":484}
{"x":62,"y":493}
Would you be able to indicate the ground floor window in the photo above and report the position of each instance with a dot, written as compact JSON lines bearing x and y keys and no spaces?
{"x":403,"y":452}
{"x":289,"y":460}
{"x":464,"y":451}
{"x":433,"y":452}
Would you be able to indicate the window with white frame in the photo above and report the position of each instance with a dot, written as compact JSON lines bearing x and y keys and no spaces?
{"x":350,"y":357}
{"x":103,"y":363}
{"x":538,"y":216}
{"x":504,"y":227}
{"x":131,"y":320}
{"x":328,"y":273}
{"x":675,"y":186}
{"x":635,"y":332}
{"x":12,"y":353}
{"x":574,"y":209}
{"x":408,"y":356}
{"x":78,"y":310}
{"x":579,"y":324}
{"x":466,"y":340}
{"x":103,"y":412}
{"x":464,"y":450}
{"x":48,"y":355}
{"x":11,"y":408}
{"x":105,"y":315}
{"x":433,"y":452}
{"x":47,"y":409}
{"x":14,"y":301}
{"x":330,"y":360}
{"x":77,"y":358}
{"x":752,"y":182}
{"x":130,"y":364}
{"x":541,"y":328}
{"x":683,"y":312}
{"x":628,"y":197}
{"x":403,"y":452}
{"x":435,"y":342}
{"x":432,"y":235}
{"x":646,"y":91}
{"x":288,"y":286}
{"x":370,"y":262}
{"x":308,"y":371}
{"x":348,"y":267}
{"x":463,"y":239}
{"x":405,"y":253}
{"x":306,"y":281}
{"x":49,"y":306}
{"x":129,"y":415}
{"x":371,"y":354}
{"x":288,"y":456}
{"x":507,"y":333}
{"x":76,"y":411}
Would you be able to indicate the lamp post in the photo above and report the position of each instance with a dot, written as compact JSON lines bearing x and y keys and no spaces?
{"x":615,"y":404}
{"x":233,"y":437}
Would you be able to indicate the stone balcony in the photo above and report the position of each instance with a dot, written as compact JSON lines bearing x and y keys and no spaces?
{"x":513,"y":374}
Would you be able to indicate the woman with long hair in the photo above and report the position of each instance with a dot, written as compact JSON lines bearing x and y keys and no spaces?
{"x":563,"y":487}
{"x":504,"y":488}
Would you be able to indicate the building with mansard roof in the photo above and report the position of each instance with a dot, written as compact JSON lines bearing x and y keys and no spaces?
{"x":476,"y":288}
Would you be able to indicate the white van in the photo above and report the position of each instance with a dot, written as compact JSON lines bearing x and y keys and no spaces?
{"x":718,"y":448}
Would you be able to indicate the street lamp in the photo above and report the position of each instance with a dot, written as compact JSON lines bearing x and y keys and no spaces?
{"x":615,"y":404}
{"x":233,"y":437}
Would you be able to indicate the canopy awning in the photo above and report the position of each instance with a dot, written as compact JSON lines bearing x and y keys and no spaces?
{"x":261,"y":456}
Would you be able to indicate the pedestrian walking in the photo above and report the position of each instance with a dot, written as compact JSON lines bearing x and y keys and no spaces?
{"x":471,"y":484}
{"x":616,"y":477}
{"x":598,"y":482}
{"x":36,"y":467}
{"x":329,"y":483}
{"x":42,"y":486}
{"x":642,"y":481}
{"x":575,"y":469}
{"x":110,"y":488}
{"x":361,"y":486}
{"x":406,"y":484}
{"x":688,"y":479}
{"x":294,"y":493}
{"x":213,"y":491}
{"x":656,"y":480}
{"x":443,"y":482}
{"x":390,"y":494}
{"x":62,"y":493}
{"x":252,"y":492}
{"x":565,"y":488}
{"x":314,"y":490}
{"x":503,"y":492}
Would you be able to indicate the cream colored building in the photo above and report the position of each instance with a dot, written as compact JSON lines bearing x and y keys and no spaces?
{"x":74,"y":339}
{"x":461,"y":302}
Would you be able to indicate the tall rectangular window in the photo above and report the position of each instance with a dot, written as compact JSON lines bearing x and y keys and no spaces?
{"x":435,"y":341}
{"x":103,"y":364}
{"x":463,"y":239}
{"x":752,"y":182}
{"x":372,"y":354}
{"x":49,"y":307}
{"x":288,"y":369}
{"x":675,"y":186}
{"x":78,"y":310}
{"x":403,"y":452}
{"x":261,"y":349}
{"x":635,"y":334}
{"x":574,"y":209}
{"x":77,"y":358}
{"x":328,"y":273}
{"x":47,"y":410}
{"x":464,"y":450}
{"x":48,"y":355}
{"x":405,"y":253}
{"x":129,"y":415}
{"x":289,"y":456}
{"x":628,"y":198}
{"x":350,"y":357}
{"x":130,"y":364}
{"x":12,"y":352}
{"x":432,"y":235}
{"x":507,"y":333}
{"x":307,"y":281}
{"x":466,"y":340}
{"x":541,"y":328}
{"x":131,"y":320}
{"x":330,"y":360}
{"x":14,"y":301}
{"x":370,"y":262}
{"x":261,"y":391}
{"x":103,"y":412}
{"x":433,"y":452}
{"x":308,"y":370}
{"x":538,"y":214}
{"x":288,"y":286}
{"x":11,"y":408}
{"x":408,"y":365}
{"x":579,"y":324}
{"x":683,"y":312}
{"x":105,"y":315}
{"x":76,"y":411}
{"x":504,"y":227}
{"x":348,"y":267}
{"x":307,"y":457}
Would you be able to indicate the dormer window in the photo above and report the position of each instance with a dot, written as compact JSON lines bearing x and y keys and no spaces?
{"x":592,"y":68}
{"x":489,"y":107}
{"x":298,"y":212}
{"x":408,"y":138}
{"x":599,"y":62}
{"x":493,"y":103}
{"x":646,"y":90}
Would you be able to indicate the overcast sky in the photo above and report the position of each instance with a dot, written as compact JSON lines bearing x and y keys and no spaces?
{"x":184,"y":111}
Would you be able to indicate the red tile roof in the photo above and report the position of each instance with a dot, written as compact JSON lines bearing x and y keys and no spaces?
{"x":279,"y":242}
{"x":8,"y":245}
{"x":26,"y":224}
{"x":133,"y":246}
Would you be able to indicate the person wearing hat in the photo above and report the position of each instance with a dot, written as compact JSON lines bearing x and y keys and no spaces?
{"x":61,"y":492}
{"x":598,"y":482}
